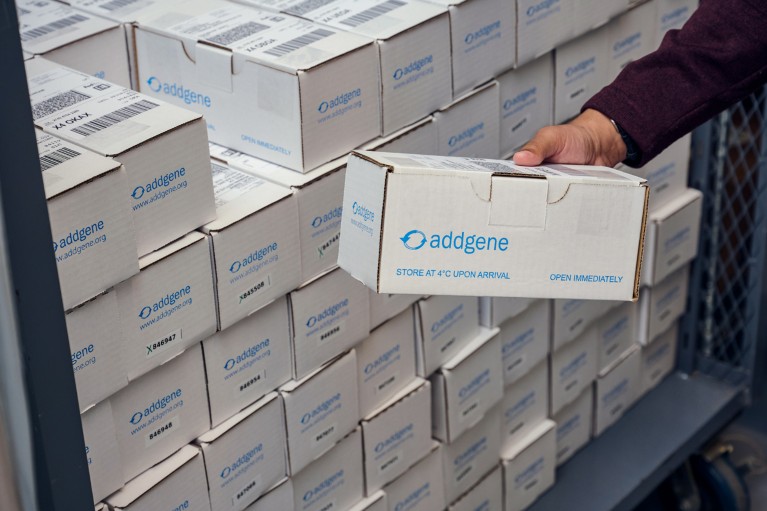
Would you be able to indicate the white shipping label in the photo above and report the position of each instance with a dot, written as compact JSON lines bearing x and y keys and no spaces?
{"x":41,"y":20}
{"x":247,"y":384}
{"x":228,"y":183}
{"x":244,"y":493}
{"x":163,"y":343}
{"x":342,"y":14}
{"x":112,"y":7}
{"x":161,"y":431}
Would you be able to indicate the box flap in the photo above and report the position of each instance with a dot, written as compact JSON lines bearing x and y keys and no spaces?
{"x":294,"y":385}
{"x":151,"y":478}
{"x":485,"y":335}
{"x":170,"y":249}
{"x":418,"y":384}
{"x":519,"y":203}
{"x":660,"y":215}
{"x":624,"y":356}
{"x":533,"y":436}
{"x":233,"y":421}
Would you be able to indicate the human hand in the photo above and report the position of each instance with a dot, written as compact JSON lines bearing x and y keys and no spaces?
{"x":589,"y":139}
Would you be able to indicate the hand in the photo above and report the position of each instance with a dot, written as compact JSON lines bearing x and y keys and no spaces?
{"x":589,"y":139}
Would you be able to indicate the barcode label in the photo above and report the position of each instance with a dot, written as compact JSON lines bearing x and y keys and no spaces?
{"x":52,"y":27}
{"x":56,"y":103}
{"x":309,"y":6}
{"x":117,"y":4}
{"x":372,"y":13}
{"x":116,"y":117}
{"x":237,"y":33}
{"x":57,"y":157}
{"x":299,"y":42}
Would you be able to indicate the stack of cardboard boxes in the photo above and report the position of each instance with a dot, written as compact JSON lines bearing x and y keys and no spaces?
{"x":222,"y":360}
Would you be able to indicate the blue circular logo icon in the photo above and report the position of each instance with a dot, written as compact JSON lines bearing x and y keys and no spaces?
{"x":469,"y":38}
{"x":154,"y":84}
{"x":323,"y":107}
{"x":225,"y":473}
{"x":145,"y":312}
{"x":507,"y":104}
{"x":138,"y":192}
{"x":398,"y":74}
{"x":317,"y":222}
{"x":414,"y":240}
{"x":229,"y":364}
{"x":136,"y":418}
{"x":235,"y":267}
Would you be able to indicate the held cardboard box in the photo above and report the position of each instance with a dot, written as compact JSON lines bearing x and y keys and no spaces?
{"x":279,"y":497}
{"x":483,"y":39}
{"x":542,"y":25}
{"x":580,"y":72}
{"x":376,"y":502}
{"x":169,"y":305}
{"x":93,"y":237}
{"x":319,"y":195}
{"x":163,"y":148}
{"x":178,"y":483}
{"x":487,"y":495}
{"x":467,"y":386}
{"x":160,"y":412}
{"x":525,"y":341}
{"x":672,"y":236}
{"x":528,"y":468}
{"x":413,"y":42}
{"x":661,"y":305}
{"x":320,"y":410}
{"x":103,"y":457}
{"x":575,"y":231}
{"x":281,"y":88}
{"x":525,"y":405}
{"x":630,"y":37}
{"x":422,"y":488}
{"x":470,"y":126}
{"x":97,"y":349}
{"x":247,"y":360}
{"x":334,"y":481}
{"x":419,"y":138}
{"x":527,"y":102}
{"x":672,"y":15}
{"x":444,"y":325}
{"x":386,"y":362}
{"x":617,"y":389}
{"x":245,"y":456}
{"x":574,"y":426}
{"x":385,"y":306}
{"x":75,"y":39}
{"x":328,"y":316}
{"x":468,"y":459}
{"x":617,"y":334}
{"x":659,"y":359}
{"x":495,"y":310}
{"x":570,"y":318}
{"x":573,"y":369}
{"x":396,"y":435}
{"x":254,"y":243}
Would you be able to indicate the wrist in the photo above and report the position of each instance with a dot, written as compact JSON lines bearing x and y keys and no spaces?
{"x":608,"y":146}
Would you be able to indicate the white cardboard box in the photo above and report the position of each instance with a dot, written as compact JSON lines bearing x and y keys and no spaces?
{"x":525,"y":341}
{"x":422,"y":488}
{"x":245,"y":456}
{"x":168,"y":306}
{"x":413,"y":41}
{"x":525,"y":404}
{"x":419,"y":138}
{"x":396,"y":435}
{"x":659,"y":359}
{"x":94,"y":241}
{"x":672,"y":15}
{"x":247,"y":360}
{"x":573,"y":368}
{"x":281,"y":88}
{"x":467,"y":460}
{"x":631,"y":37}
{"x":661,"y":305}
{"x":159,"y":413}
{"x":254,"y":241}
{"x":542,"y":25}
{"x":320,"y":410}
{"x":280,"y":497}
{"x":672,"y":236}
{"x":97,"y":349}
{"x":334,"y":481}
{"x":376,"y":502}
{"x":483,"y":39}
{"x":616,"y":331}
{"x":527,"y":102}
{"x":617,"y":389}
{"x":487,"y":495}
{"x":580,"y":72}
{"x":470,"y":126}
{"x":528,"y":468}
{"x":467,"y":386}
{"x":496,"y":310}
{"x":444,"y":325}
{"x":178,"y":483}
{"x":163,"y":148}
{"x":574,"y":425}
{"x":570,"y":318}
{"x":104,"y":461}
{"x":590,"y":14}
{"x":328,"y":316}
{"x":385,"y":306}
{"x":75,"y":39}
{"x":319,"y":195}
{"x":386,"y":362}
{"x":558,"y":249}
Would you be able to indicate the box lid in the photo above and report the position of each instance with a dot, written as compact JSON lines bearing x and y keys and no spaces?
{"x":526,"y":441}
{"x":170,"y":249}
{"x":485,"y":335}
{"x":294,"y":385}
{"x":418,"y":384}
{"x":215,"y":433}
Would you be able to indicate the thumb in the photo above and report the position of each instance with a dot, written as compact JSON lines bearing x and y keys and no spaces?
{"x":546,"y":143}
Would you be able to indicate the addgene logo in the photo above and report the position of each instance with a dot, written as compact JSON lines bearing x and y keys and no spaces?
{"x":627,"y":42}
{"x":79,"y":235}
{"x":383,"y":359}
{"x":542,"y":6}
{"x":413,"y":67}
{"x":482,"y":32}
{"x":463,"y":242}
{"x":155,"y":406}
{"x":520,"y":98}
{"x":324,"y":485}
{"x":176,"y":90}
{"x":341,"y":99}
{"x":479,"y":381}
{"x":245,"y":355}
{"x":580,"y":66}
{"x":333,"y":214}
{"x":417,"y":495}
{"x":322,"y":407}
{"x":327,"y":313}
{"x":162,"y":181}
{"x":242,"y":460}
{"x":673,"y":15}
{"x":362,"y":211}
{"x":167,"y":300}
{"x":394,"y":438}
{"x":255,"y":256}
{"x":466,"y":134}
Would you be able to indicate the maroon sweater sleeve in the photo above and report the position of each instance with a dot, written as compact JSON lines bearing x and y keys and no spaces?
{"x":717,"y":58}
